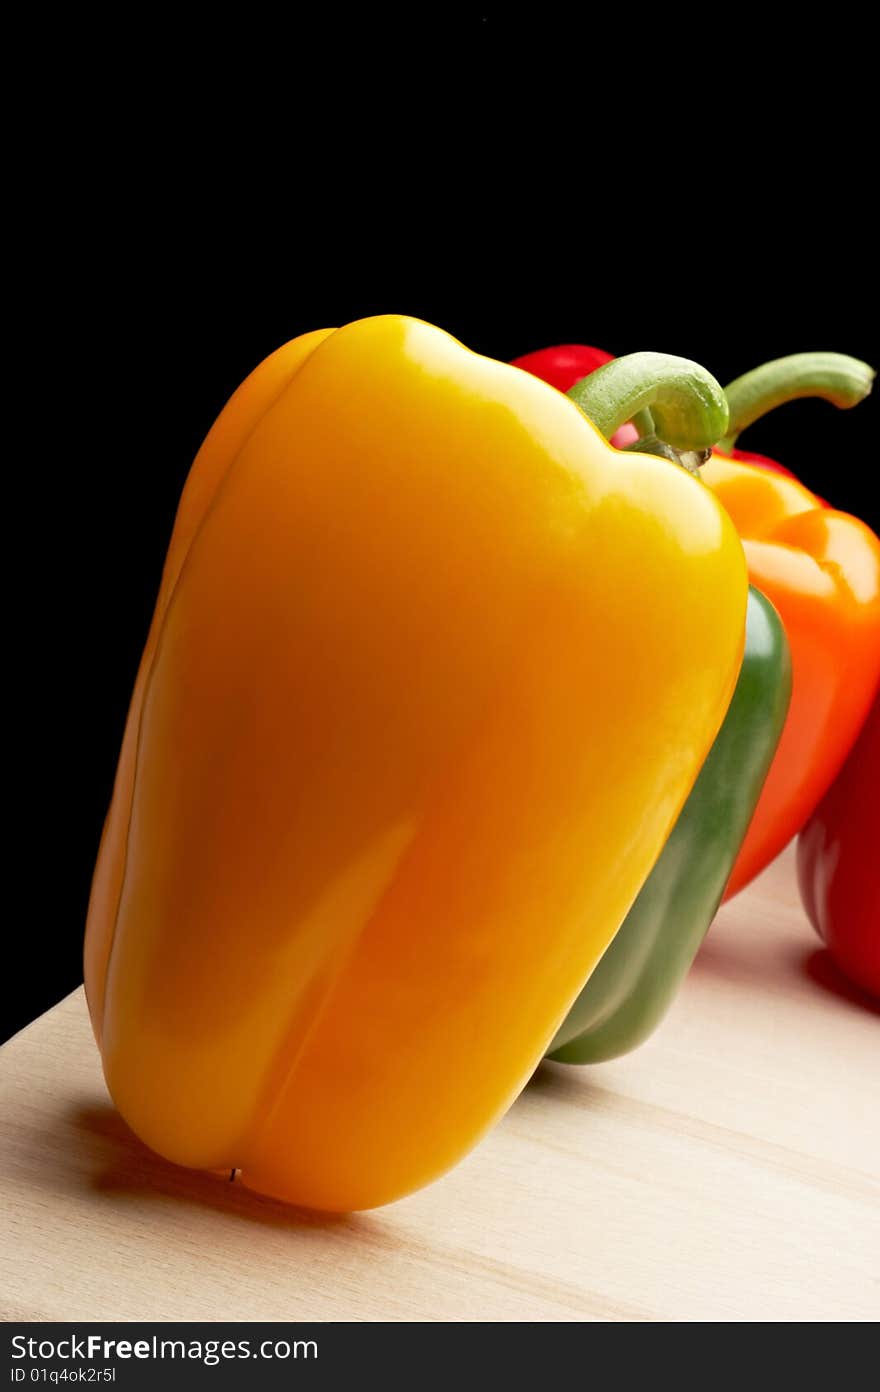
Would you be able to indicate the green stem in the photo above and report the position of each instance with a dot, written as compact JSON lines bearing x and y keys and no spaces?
{"x":692,"y":460}
{"x":688,"y":407}
{"x":834,"y":377}
{"x":644,"y":422}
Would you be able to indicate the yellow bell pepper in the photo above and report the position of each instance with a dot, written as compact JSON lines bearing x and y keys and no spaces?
{"x":432,"y":670}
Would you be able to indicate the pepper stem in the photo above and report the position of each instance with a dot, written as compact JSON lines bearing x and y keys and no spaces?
{"x":834,"y":377}
{"x":688,"y":408}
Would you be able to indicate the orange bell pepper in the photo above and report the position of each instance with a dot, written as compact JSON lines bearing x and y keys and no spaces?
{"x":821,"y":570}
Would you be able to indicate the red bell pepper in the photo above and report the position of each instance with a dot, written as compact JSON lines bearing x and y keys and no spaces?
{"x":563,"y":365}
{"x":837,"y":861}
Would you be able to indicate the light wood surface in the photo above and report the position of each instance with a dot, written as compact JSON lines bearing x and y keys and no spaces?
{"x":728,"y":1170}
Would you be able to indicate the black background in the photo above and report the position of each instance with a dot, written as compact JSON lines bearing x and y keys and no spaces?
{"x":147,"y":298}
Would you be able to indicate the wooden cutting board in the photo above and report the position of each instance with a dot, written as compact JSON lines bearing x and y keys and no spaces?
{"x":728,"y":1170}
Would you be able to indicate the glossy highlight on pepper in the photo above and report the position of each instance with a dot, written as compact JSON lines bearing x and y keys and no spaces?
{"x":432,"y":671}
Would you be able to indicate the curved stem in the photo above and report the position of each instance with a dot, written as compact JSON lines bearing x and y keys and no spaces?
{"x":834,"y":377}
{"x":687,"y":405}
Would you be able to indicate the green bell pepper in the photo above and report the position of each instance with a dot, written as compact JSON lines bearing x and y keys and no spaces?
{"x":635,"y":982}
